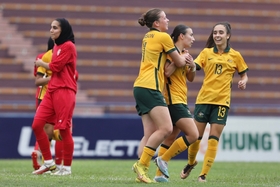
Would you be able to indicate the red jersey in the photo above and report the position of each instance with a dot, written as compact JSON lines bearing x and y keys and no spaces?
{"x":63,"y":66}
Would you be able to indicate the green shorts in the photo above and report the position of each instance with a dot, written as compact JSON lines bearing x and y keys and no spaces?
{"x":178,"y":111}
{"x":146,"y":99}
{"x":208,"y":113}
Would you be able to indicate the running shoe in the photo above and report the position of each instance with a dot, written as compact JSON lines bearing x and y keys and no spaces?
{"x":161,"y":178}
{"x":187,"y":170}
{"x":202,"y":178}
{"x":61,"y":172}
{"x":162,"y":166}
{"x":36,"y":158}
{"x":44,"y":168}
{"x":142,"y":172}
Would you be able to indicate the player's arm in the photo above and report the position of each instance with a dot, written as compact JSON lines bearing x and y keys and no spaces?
{"x":40,"y":62}
{"x":242,"y":83}
{"x":191,"y":73}
{"x":169,"y":68}
{"x":177,"y":59}
{"x":40,"y":80}
{"x":191,"y":67}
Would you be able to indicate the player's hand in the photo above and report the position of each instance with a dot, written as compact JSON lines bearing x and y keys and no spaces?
{"x":38,"y":62}
{"x":242,"y":84}
{"x":189,"y":60}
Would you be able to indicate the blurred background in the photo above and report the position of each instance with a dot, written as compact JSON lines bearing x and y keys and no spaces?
{"x":108,"y":40}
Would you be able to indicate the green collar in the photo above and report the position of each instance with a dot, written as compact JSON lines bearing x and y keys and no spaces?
{"x":226,"y":49}
{"x":153,"y":29}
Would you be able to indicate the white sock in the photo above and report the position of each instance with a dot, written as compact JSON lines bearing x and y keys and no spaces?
{"x":68,"y":168}
{"x":59,"y":167}
{"x":48,"y":162}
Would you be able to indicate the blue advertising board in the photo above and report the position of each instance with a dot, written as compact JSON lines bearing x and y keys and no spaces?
{"x":107,"y":137}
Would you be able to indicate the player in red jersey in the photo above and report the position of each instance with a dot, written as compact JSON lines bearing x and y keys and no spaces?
{"x":59,"y":101}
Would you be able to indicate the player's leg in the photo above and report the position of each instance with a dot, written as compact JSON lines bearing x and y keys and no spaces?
{"x":64,"y":111}
{"x":182,"y":118}
{"x":44,"y":144}
{"x":192,"y":151}
{"x":159,"y":117}
{"x":44,"y":112}
{"x":36,"y":155}
{"x":159,"y":177}
{"x":217,"y":122}
{"x":211,"y":152}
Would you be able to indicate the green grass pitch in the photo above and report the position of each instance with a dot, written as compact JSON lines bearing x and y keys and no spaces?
{"x":118,"y":173}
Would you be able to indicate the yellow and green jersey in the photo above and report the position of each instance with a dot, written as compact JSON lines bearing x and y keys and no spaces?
{"x":175,"y":86}
{"x":155,"y":46}
{"x":47,"y":57}
{"x":219,"y":70}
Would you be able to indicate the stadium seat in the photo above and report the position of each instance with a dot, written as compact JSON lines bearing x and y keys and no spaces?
{"x":108,"y":40}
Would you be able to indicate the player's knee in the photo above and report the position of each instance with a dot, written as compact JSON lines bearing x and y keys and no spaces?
{"x":38,"y":125}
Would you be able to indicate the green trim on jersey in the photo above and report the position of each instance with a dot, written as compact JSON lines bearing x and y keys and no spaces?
{"x":219,"y":70}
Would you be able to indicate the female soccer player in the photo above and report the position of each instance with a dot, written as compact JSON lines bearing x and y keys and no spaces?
{"x":148,"y":87}
{"x":59,"y":102}
{"x":219,"y":62}
{"x":176,"y":98}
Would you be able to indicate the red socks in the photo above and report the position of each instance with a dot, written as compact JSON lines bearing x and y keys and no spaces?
{"x":68,"y":146}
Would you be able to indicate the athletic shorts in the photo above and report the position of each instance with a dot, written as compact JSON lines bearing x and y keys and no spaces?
{"x":178,"y":111}
{"x":57,"y":108}
{"x":146,"y":99}
{"x":208,"y":113}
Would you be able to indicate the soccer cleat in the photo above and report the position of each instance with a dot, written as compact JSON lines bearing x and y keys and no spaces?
{"x":137,"y":180}
{"x":45,"y":168}
{"x":142,"y":172}
{"x":187,"y":170}
{"x":61,"y":172}
{"x":36,"y":155}
{"x":202,"y":178}
{"x":162,"y":166}
{"x":161,"y":178}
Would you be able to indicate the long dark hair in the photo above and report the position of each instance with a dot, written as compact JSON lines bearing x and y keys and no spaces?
{"x":179,"y":29}
{"x":66,"y":32}
{"x":50,"y":44}
{"x":210,"y":42}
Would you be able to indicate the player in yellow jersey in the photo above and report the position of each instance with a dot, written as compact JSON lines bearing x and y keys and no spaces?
{"x":42,"y":77}
{"x":148,"y":87}
{"x":219,"y":62}
{"x":176,"y":98}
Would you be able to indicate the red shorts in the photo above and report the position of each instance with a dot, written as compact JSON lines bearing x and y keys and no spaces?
{"x":57,"y":108}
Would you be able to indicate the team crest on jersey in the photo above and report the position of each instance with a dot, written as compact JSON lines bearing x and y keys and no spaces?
{"x":229,"y":60}
{"x":58,"y":52}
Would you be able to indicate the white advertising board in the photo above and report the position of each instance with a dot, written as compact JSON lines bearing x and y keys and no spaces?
{"x":255,"y":139}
